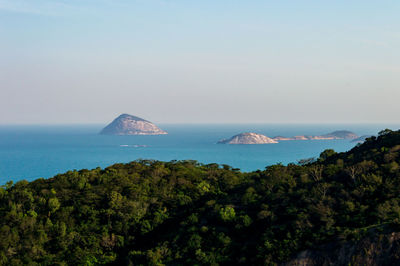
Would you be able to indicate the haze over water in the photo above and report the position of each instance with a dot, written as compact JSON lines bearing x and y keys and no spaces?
{"x":30,"y":152}
{"x":172,"y":61}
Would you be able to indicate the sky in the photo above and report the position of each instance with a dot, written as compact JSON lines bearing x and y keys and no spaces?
{"x":220,"y":61}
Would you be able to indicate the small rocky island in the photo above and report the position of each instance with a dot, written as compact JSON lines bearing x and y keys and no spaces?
{"x":248,"y":138}
{"x":131,"y":125}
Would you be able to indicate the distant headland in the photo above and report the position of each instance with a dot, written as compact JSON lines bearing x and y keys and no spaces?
{"x":254,"y":138}
{"x":126,"y":124}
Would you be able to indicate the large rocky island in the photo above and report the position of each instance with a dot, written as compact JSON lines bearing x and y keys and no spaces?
{"x":131,"y":125}
{"x":248,"y":138}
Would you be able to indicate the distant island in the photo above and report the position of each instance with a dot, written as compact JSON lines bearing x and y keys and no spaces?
{"x":126,"y":124}
{"x":254,"y":138}
{"x":248,"y":138}
{"x":339,"y":134}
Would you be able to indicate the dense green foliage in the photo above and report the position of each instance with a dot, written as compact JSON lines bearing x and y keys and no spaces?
{"x":183,"y":212}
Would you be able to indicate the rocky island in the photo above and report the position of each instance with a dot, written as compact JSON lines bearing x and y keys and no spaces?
{"x":131,"y":125}
{"x":339,"y":134}
{"x":254,"y":138}
{"x":248,"y":138}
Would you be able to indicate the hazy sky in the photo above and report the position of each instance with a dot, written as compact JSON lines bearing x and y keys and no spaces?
{"x":169,"y":61}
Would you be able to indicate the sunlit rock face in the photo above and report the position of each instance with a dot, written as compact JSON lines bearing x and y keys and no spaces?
{"x":248,"y":138}
{"x":131,"y":125}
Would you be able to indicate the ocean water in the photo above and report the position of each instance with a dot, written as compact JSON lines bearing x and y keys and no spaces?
{"x":30,"y":152}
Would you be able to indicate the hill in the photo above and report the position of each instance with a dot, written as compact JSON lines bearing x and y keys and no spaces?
{"x":186,"y":213}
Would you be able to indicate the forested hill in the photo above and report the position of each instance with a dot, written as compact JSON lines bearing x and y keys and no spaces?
{"x":186,"y":213}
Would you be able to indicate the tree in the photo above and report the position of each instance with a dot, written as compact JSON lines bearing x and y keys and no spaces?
{"x":227,"y":213}
{"x":385,"y":132}
{"x":53,"y":204}
{"x":326,"y":154}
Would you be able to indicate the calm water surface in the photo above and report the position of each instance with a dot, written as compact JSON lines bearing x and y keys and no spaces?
{"x":29,"y":152}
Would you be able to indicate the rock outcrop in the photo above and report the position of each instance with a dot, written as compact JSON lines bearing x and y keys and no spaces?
{"x":248,"y":138}
{"x":378,"y":249}
{"x":131,"y":125}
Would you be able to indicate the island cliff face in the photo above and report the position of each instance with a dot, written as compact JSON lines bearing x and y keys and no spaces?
{"x":131,"y":125}
{"x":248,"y":138}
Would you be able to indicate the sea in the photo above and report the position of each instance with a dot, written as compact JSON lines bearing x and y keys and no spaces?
{"x":43,"y":151}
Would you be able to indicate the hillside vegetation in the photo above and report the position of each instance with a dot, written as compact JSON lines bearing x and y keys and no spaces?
{"x":187,"y":213}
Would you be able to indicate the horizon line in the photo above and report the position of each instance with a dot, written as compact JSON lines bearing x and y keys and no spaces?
{"x":206,"y":123}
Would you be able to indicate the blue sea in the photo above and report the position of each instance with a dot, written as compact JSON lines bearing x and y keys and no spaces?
{"x":30,"y":152}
